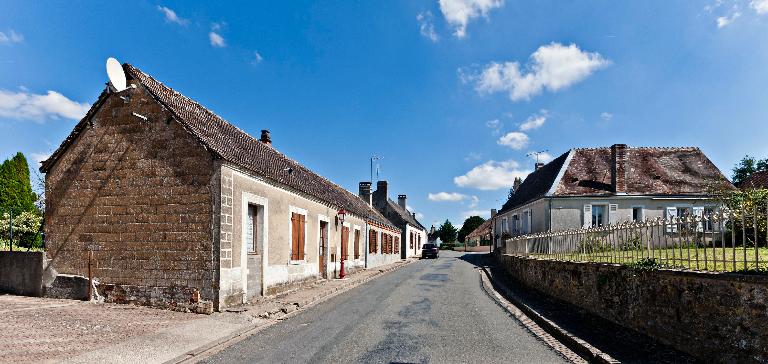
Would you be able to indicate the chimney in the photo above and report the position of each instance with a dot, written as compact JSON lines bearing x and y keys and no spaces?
{"x":517,"y":183}
{"x":365,"y":192}
{"x":381,"y":191}
{"x":401,"y":201}
{"x":619,"y":168}
{"x":265,"y":138}
{"x":539,"y":165}
{"x":493,"y":213}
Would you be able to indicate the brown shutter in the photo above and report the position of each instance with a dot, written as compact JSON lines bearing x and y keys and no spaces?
{"x":357,"y":244}
{"x":302,"y":240}
{"x":294,"y":236}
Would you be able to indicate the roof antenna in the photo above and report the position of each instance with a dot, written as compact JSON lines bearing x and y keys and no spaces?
{"x":116,"y":75}
{"x":375,"y":158}
{"x":537,"y":154}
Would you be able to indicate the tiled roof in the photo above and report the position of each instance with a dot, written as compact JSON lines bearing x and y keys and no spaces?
{"x":756,"y":180}
{"x":683,"y":171}
{"x":536,"y":184}
{"x":404,"y":214}
{"x":237,"y":147}
{"x":481,"y":230}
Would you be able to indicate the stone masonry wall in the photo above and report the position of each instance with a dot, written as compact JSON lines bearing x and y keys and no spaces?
{"x":714,"y":317}
{"x":139,"y":193}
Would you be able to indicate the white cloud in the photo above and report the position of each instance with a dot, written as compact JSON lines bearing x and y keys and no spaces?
{"x":760,"y":6}
{"x":216,"y":40}
{"x":426,"y":26}
{"x":473,"y":201}
{"x":11,"y":37}
{"x":534,"y":121}
{"x":257,"y":58}
{"x":482,"y":213}
{"x":606,"y":116}
{"x":446,"y":196}
{"x":29,"y":106}
{"x":552,"y":67}
{"x":473,"y":156}
{"x":724,"y":21}
{"x":458,"y":13}
{"x":171,"y":17}
{"x":515,"y":140}
{"x":419,"y":216}
{"x":39,"y":157}
{"x":544,"y":157}
{"x":491,"y":175}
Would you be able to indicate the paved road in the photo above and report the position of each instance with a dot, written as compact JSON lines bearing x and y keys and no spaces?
{"x":432,"y":311}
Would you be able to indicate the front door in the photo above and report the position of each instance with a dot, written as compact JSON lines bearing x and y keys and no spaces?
{"x":323,"y":248}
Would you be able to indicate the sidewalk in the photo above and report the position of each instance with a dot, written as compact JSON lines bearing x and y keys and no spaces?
{"x":45,"y":330}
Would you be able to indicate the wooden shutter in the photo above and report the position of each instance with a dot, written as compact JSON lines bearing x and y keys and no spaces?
{"x":671,"y":213}
{"x":295,"y":236}
{"x":372,"y":241}
{"x":344,"y":243}
{"x":613,"y":213}
{"x":397,"y":244}
{"x":302,"y":231}
{"x":587,"y":216}
{"x":357,"y":244}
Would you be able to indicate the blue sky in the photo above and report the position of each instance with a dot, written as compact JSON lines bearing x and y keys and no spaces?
{"x":452,"y":94}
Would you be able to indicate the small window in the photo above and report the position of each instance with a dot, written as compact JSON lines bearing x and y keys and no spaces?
{"x":251,"y":229}
{"x":637,"y":214}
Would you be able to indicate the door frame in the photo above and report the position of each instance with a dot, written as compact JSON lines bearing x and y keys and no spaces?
{"x":261,"y":241}
{"x":323,"y":222}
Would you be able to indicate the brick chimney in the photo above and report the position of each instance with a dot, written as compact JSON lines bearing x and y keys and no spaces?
{"x":365,"y":192}
{"x":516,"y":184}
{"x":401,"y":201}
{"x":265,"y":138}
{"x":619,"y":168}
{"x":381,"y":192}
{"x":539,"y":165}
{"x":493,"y":213}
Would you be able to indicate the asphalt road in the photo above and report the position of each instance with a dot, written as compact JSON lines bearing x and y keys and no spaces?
{"x":431,"y":311}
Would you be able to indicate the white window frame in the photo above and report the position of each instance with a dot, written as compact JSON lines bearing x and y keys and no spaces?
{"x":642,"y":212}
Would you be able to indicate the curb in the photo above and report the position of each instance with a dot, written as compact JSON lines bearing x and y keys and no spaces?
{"x":538,"y":324}
{"x":208,"y":350}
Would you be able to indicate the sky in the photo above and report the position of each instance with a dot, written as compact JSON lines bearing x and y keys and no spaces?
{"x":453,"y":95}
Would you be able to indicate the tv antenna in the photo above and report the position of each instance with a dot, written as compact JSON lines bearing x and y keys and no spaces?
{"x":537,"y":154}
{"x":375,"y":158}
{"x":116,"y":75}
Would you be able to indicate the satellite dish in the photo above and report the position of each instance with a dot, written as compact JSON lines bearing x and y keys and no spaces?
{"x":116,"y":74}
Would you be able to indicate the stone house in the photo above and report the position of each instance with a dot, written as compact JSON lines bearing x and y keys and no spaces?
{"x":481,"y":234}
{"x":180,"y":207}
{"x":413,"y":233}
{"x":589,"y":187}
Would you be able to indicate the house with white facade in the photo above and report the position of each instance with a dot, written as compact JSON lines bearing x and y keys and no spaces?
{"x":592,"y":187}
{"x":413,"y":234}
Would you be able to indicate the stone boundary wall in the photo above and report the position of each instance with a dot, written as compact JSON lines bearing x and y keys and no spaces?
{"x":21,"y":273}
{"x":711,"y":316}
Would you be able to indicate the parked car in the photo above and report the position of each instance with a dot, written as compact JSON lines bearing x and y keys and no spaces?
{"x":430,"y":250}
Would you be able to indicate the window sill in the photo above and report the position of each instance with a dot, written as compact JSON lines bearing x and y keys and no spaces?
{"x":297,"y":262}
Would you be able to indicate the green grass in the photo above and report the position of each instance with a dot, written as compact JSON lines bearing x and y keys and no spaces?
{"x":4,"y":246}
{"x":709,"y":259}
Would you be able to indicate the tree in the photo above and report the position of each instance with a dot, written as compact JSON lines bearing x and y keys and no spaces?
{"x":470,"y":224}
{"x":15,"y":187}
{"x":746,"y":167}
{"x":447,"y":233}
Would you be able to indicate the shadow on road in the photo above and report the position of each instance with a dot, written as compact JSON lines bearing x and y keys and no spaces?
{"x":623,"y":344}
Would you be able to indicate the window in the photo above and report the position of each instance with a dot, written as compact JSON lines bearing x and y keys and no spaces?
{"x":372,"y":248}
{"x":598,"y":215}
{"x":410,"y":245}
{"x":637,"y":214}
{"x":251,"y":229}
{"x":298,"y":223}
{"x":357,"y":244}
{"x":397,"y":244}
{"x":419,"y":240}
{"x":709,"y":213}
{"x":504,"y":225}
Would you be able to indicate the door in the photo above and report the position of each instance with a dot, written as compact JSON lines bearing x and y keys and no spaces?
{"x":323,"y":248}
{"x":253,"y":251}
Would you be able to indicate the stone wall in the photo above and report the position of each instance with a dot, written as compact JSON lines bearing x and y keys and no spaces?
{"x":139,"y":194}
{"x":21,"y":273}
{"x":714,"y":317}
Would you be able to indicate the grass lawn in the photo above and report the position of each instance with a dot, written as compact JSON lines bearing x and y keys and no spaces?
{"x":710,"y":259}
